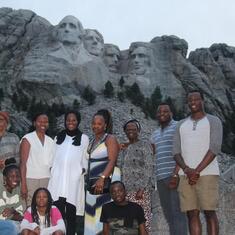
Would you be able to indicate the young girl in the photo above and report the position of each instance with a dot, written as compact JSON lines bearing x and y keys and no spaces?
{"x":42,"y":218}
{"x":11,"y":208}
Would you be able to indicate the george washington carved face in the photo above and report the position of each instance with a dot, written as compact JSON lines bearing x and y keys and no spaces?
{"x":70,"y":30}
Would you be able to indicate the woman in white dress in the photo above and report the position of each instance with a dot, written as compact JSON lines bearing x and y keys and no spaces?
{"x":67,"y":174}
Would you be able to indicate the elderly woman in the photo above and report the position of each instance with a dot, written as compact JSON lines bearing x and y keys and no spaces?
{"x":36,"y":154}
{"x":103,"y":151}
{"x":9,"y":142}
{"x":137,"y":168}
{"x":67,"y":174}
{"x":11,"y":207}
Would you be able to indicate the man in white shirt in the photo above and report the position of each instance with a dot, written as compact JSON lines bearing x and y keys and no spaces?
{"x":197,"y":141}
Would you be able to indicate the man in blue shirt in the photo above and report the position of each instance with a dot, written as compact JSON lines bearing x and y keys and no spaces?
{"x":167,"y":171}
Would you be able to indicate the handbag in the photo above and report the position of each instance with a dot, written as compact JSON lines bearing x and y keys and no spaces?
{"x":90,"y":181}
{"x":91,"y":185}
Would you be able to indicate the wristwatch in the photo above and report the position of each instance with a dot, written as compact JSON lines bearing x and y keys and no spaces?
{"x":103,"y":176}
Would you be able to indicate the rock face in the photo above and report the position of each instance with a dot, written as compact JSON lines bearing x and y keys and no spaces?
{"x":54,"y":65}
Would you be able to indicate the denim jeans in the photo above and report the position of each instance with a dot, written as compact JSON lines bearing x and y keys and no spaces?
{"x":7,"y":227}
{"x":169,"y":200}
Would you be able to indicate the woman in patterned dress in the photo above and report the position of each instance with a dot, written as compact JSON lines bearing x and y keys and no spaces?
{"x":103,"y":152}
{"x":137,"y":169}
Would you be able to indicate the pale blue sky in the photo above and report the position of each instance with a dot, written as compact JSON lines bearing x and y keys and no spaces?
{"x":200,"y":22}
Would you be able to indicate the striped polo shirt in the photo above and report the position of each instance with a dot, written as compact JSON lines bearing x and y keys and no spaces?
{"x":163,"y":141}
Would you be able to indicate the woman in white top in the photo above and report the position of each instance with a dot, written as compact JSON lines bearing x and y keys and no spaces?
{"x":36,"y":154}
{"x":67,"y":174}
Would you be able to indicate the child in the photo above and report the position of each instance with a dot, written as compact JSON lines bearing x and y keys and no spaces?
{"x":42,"y":218}
{"x":11,"y":207}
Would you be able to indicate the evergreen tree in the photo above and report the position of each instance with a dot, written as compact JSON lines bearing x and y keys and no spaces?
{"x":88,"y":95}
{"x":121,"y":82}
{"x":134,"y":94}
{"x":76,"y":104}
{"x":108,"y":90}
{"x":121,"y":96}
{"x":1,"y":95}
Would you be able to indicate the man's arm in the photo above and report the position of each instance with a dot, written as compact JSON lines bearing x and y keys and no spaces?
{"x":209,"y":157}
{"x":105,"y":228}
{"x":142,"y":229}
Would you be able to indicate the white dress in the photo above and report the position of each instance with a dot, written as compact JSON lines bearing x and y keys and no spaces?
{"x":67,"y":179}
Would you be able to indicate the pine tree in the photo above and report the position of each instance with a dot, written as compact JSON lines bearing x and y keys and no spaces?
{"x":134,"y":94}
{"x":88,"y":95}
{"x":108,"y":90}
{"x":76,"y":104}
{"x":121,"y":82}
{"x":121,"y":96}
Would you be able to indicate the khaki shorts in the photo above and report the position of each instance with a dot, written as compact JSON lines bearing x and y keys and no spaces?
{"x":32,"y":185}
{"x":204,"y":195}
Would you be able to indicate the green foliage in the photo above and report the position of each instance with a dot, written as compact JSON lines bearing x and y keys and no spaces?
{"x":108,"y":90}
{"x":76,"y":104}
{"x":121,"y":96}
{"x":178,"y":114}
{"x":121,"y":82}
{"x":134,"y":94}
{"x":1,"y":95}
{"x":88,"y":95}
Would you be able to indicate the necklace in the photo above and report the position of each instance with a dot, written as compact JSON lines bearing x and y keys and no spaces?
{"x":195,"y":122}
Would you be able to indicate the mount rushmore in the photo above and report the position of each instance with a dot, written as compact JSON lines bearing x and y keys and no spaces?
{"x":55,"y":64}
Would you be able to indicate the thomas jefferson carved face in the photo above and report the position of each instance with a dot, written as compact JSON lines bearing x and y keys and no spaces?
{"x":93,"y":42}
{"x":140,"y":60}
{"x":70,"y":30}
{"x":111,"y":58}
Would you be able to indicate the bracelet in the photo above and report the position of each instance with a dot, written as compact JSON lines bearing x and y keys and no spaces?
{"x":175,"y":176}
{"x":102,"y":176}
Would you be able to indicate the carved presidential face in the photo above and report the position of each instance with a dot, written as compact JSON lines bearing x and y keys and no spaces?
{"x":140,"y":60}
{"x":111,"y":58}
{"x":93,"y":42}
{"x":70,"y":30}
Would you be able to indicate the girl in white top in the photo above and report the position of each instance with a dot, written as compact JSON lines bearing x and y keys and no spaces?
{"x":67,"y":174}
{"x":36,"y":154}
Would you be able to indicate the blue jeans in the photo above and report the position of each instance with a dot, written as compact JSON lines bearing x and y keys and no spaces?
{"x":7,"y":227}
{"x":169,"y":200}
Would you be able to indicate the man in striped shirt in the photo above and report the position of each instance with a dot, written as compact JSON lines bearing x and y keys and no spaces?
{"x":167,"y":171}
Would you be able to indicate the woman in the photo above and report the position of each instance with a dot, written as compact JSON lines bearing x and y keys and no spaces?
{"x":42,"y":218}
{"x":103,"y":151}
{"x":9,"y":142}
{"x":67,"y":174}
{"x":137,"y":168}
{"x":36,"y":154}
{"x":11,"y":207}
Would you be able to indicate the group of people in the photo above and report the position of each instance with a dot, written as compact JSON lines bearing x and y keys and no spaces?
{"x":47,"y":184}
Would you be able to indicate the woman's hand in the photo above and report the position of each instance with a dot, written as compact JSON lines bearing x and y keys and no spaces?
{"x":140,"y":194}
{"x":99,"y":186}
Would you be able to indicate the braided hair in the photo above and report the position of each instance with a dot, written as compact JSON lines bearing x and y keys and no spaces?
{"x":107,"y":119}
{"x":35,"y":215}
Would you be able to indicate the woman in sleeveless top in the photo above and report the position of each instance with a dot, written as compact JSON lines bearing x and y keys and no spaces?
{"x":103,"y":151}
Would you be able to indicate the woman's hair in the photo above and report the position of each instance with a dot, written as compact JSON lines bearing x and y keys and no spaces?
{"x":34,"y":118}
{"x":135,"y":121}
{"x":107,"y":119}
{"x":77,"y":114}
{"x":9,"y":165}
{"x":48,"y":209}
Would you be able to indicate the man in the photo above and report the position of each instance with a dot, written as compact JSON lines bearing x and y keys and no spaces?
{"x":112,"y":57}
{"x":94,"y":42}
{"x":9,"y":142}
{"x":197,"y":141}
{"x":140,"y":59}
{"x":121,"y":216}
{"x":167,"y":171}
